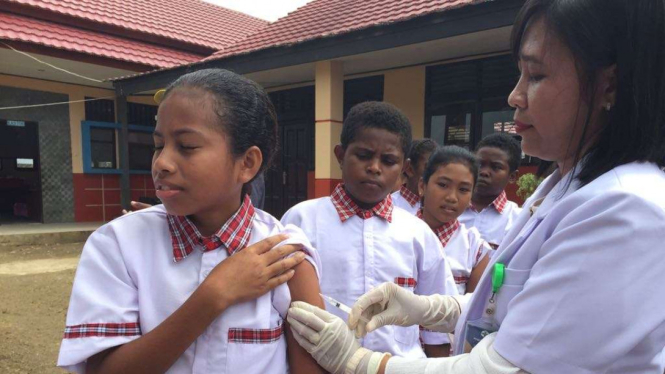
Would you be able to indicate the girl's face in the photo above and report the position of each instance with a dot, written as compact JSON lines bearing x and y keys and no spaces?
{"x":550,"y":111}
{"x":194,"y":171}
{"x":447,"y":193}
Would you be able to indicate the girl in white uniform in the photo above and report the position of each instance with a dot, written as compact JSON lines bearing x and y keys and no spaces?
{"x":407,"y":197}
{"x":577,"y":285}
{"x":188,"y":286}
{"x":446,"y":187}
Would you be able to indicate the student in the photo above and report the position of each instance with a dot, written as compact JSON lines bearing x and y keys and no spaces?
{"x":182,"y":286}
{"x":446,"y":188}
{"x":362,"y":240}
{"x":408,"y":197}
{"x":583,"y":267}
{"x":490,"y":211}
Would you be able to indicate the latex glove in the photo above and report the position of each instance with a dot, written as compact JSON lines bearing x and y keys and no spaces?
{"x":390,"y":304}
{"x":327,"y":338}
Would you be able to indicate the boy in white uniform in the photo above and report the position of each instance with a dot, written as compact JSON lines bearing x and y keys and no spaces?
{"x":407,"y":197}
{"x":490,"y":211}
{"x":363,"y":241}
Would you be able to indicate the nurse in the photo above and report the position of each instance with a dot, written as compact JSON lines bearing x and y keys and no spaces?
{"x":577,"y":285}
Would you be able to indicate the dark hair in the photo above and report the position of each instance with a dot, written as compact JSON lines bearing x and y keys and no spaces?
{"x":599,"y":34}
{"x":451,"y":154}
{"x":419,"y":148}
{"x":243,"y":108}
{"x":376,"y":115}
{"x":506,"y":143}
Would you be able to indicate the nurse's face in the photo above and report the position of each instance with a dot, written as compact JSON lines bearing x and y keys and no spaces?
{"x":550,"y":109}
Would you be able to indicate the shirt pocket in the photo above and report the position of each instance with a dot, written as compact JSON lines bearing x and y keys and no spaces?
{"x":252,"y":350}
{"x":513,"y":284}
{"x":406,"y":335}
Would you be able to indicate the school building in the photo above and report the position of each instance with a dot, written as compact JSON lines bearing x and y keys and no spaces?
{"x":445,"y":63}
{"x":59,"y":163}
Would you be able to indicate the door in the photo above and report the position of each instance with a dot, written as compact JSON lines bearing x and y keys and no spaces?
{"x":286,"y":181}
{"x":20,"y":180}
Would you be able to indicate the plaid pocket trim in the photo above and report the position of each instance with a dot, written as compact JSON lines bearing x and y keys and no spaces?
{"x":406,"y":282}
{"x":102,"y":329}
{"x":255,"y":336}
{"x":461,"y":280}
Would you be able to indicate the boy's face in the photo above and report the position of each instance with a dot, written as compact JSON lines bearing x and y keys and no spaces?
{"x":494,"y":173}
{"x":371,"y":164}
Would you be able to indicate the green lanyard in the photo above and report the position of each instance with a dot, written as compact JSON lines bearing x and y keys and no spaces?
{"x":497,"y":277}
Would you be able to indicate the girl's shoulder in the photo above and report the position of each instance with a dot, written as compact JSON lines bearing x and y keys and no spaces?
{"x":138,"y":221}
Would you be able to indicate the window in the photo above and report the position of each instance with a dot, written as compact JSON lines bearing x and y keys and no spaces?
{"x":102,"y":148}
{"x":141,"y":148}
{"x":100,"y":110}
{"x":359,"y":90}
{"x":141,"y":114}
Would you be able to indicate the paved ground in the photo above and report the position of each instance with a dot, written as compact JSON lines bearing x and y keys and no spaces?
{"x":35,"y":284}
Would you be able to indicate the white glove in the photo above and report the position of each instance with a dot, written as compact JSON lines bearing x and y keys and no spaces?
{"x":390,"y":304}
{"x":330,"y":342}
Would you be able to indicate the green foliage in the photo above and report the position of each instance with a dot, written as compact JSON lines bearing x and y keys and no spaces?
{"x":527,"y":184}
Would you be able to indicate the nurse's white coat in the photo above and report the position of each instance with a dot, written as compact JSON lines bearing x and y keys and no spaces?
{"x":584,"y":290}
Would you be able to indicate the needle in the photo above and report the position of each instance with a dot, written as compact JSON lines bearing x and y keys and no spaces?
{"x":341,"y":306}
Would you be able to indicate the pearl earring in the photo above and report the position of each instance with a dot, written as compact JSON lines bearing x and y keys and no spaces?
{"x":608,"y":106}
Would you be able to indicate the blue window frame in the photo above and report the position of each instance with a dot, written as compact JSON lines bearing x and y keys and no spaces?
{"x":99,"y":144}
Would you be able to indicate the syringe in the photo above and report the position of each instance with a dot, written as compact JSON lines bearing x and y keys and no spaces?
{"x":340,"y":306}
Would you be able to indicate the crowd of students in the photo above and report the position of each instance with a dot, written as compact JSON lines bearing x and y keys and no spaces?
{"x":206,"y":283}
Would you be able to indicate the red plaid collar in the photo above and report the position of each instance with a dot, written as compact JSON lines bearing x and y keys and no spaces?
{"x":409,"y":196}
{"x":234,"y":235}
{"x":347,"y":208}
{"x":445,"y":231}
{"x":499,"y":203}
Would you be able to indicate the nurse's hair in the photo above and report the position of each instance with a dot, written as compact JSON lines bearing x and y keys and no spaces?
{"x":243,"y":110}
{"x":599,"y":34}
{"x":451,"y":154}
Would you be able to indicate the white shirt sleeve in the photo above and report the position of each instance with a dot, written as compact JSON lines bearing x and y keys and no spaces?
{"x":594,"y":296}
{"x":483,"y":359}
{"x":103,"y":308}
{"x":434,"y":277}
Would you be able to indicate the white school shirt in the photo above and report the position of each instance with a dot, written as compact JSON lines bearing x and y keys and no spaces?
{"x":494,"y":221}
{"x":127,"y":276}
{"x":360,"y":254}
{"x":464,"y":251}
{"x":407,"y":200}
{"x":583,"y":289}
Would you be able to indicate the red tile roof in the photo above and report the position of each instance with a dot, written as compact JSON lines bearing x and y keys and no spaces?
{"x":28,"y":30}
{"x":190,"y":21}
{"x":323,"y":18}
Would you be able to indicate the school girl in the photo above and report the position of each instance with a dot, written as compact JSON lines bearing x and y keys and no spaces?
{"x":446,"y":188}
{"x":577,"y":285}
{"x":407,"y":196}
{"x":191,"y":286}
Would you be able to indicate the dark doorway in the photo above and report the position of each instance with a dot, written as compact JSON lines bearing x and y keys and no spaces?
{"x":286,"y":181}
{"x":20,"y":181}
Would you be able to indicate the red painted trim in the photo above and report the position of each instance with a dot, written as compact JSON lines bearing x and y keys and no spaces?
{"x":328,"y":120}
{"x":324,"y":187}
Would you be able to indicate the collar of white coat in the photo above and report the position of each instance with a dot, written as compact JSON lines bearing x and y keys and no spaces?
{"x":553,"y":189}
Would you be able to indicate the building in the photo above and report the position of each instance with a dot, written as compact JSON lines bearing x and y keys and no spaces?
{"x":60,"y":163}
{"x":445,"y":63}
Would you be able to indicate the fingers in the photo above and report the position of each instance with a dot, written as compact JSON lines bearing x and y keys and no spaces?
{"x":280,"y":264}
{"x":125,"y":211}
{"x":307,"y":318}
{"x":267,"y":244}
{"x":320,"y":313}
{"x":309,"y":347}
{"x":277,"y":281}
{"x":376,"y":322}
{"x":365,"y":302}
{"x":281,"y":252}
{"x":138,"y":206}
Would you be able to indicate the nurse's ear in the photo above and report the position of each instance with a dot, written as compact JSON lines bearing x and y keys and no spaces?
{"x":607,"y":87}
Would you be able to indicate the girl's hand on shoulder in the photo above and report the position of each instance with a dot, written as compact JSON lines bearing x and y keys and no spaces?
{"x":252,"y":272}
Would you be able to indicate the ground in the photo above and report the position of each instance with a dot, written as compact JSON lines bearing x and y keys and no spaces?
{"x":35,"y":284}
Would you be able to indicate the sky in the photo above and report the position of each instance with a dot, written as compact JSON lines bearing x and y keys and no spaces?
{"x":269,"y":10}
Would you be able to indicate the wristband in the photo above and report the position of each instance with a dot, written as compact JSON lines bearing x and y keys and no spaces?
{"x":375,"y":362}
{"x":355,"y":360}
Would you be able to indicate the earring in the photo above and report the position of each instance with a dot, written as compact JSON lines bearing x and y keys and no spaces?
{"x":608,"y":106}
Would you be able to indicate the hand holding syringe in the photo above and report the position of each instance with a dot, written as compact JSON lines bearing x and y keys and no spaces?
{"x":340,"y":306}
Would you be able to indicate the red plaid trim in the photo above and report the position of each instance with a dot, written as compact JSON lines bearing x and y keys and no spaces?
{"x":255,"y":336}
{"x":461,"y":279}
{"x":445,"y":231}
{"x":406,"y":282}
{"x":234,"y":235}
{"x":409,"y":196}
{"x":103,"y":330}
{"x":480,"y":252}
{"x":347,"y":208}
{"x":500,"y":202}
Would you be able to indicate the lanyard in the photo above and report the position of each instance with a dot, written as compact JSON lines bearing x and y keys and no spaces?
{"x":498,"y":275}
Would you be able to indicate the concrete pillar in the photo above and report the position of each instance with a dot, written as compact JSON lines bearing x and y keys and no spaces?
{"x":329,"y":95}
{"x":405,"y":88}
